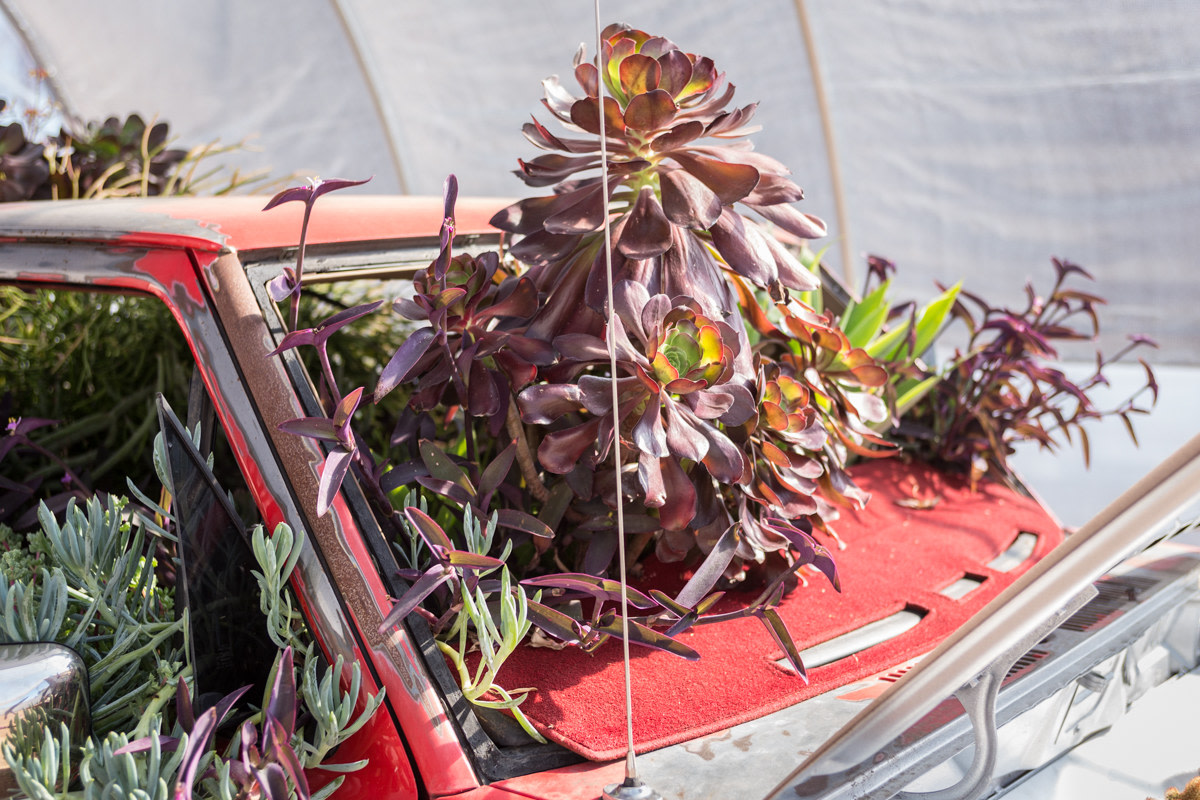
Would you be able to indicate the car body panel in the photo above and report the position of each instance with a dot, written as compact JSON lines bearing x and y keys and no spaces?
{"x":411,"y":694}
{"x":208,"y":224}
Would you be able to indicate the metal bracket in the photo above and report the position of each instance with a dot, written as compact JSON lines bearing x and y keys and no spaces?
{"x":978,"y":699}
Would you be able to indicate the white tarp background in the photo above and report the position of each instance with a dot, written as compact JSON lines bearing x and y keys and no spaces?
{"x":975,"y":140}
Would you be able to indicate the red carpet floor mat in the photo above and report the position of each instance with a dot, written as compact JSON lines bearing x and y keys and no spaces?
{"x":921,"y":532}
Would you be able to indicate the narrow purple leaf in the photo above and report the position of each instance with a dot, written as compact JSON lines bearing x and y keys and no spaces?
{"x":468,"y":560}
{"x":715,"y":563}
{"x":410,"y":309}
{"x":343,"y":318}
{"x":778,"y":629}
{"x":496,"y":471}
{"x":449,"y":195}
{"x":314,"y":427}
{"x":424,"y":586}
{"x":197,"y":746}
{"x":442,"y":467}
{"x":429,"y":530}
{"x":281,"y":694}
{"x":521,"y":521}
{"x":345,"y":410}
{"x":590,"y":585}
{"x":403,"y":360}
{"x":336,"y":465}
{"x":451,"y":491}
{"x":273,"y":782}
{"x":226,"y":703}
{"x":301,"y":193}
{"x":666,"y":602}
{"x":648,"y":637}
{"x":277,"y":745}
{"x":167,"y":744}
{"x":556,"y":623}
{"x":334,"y":184}
{"x":295,"y":339}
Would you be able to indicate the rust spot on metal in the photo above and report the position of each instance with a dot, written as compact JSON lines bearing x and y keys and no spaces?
{"x":704,"y":747}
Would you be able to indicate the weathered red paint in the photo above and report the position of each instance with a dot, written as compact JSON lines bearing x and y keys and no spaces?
{"x":578,"y":782}
{"x":387,"y":774}
{"x":221,"y":224}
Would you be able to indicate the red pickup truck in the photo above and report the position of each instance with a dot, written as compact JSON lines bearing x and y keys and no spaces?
{"x":209,"y":261}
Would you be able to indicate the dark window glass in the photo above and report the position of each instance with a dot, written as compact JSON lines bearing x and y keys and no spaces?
{"x":228,"y":633}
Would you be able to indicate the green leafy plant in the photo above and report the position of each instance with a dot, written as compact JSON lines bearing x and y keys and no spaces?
{"x":900,"y":336}
{"x":89,"y":582}
{"x":493,"y":619}
{"x":77,"y":405}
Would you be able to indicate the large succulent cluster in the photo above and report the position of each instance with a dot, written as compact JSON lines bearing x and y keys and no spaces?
{"x":678,"y":164}
{"x":735,"y":402}
{"x":701,"y":413}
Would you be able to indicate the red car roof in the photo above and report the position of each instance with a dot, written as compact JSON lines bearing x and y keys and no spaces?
{"x":239,"y":223}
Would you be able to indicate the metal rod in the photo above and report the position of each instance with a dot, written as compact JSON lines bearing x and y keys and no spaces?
{"x":630,"y":759}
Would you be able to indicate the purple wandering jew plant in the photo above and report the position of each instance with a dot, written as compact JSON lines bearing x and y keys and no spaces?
{"x":1002,"y":386}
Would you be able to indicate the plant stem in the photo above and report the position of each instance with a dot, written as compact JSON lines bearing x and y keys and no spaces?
{"x":516,"y":429}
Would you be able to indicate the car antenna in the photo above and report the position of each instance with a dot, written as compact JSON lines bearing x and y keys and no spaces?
{"x":632,"y":788}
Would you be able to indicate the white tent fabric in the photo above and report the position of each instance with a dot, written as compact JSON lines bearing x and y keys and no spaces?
{"x":974,"y":140}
